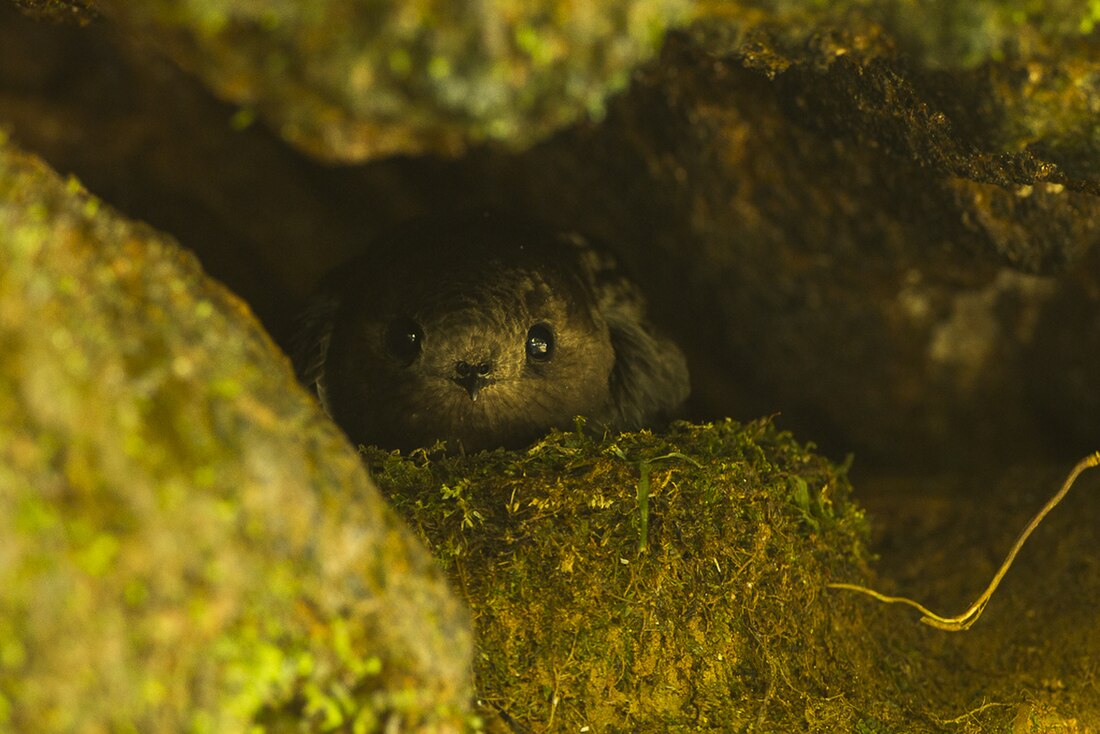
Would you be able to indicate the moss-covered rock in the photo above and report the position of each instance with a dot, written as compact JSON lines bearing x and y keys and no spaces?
{"x":61,"y":11}
{"x":877,"y":217}
{"x":1009,"y":88}
{"x":655,"y":583}
{"x":188,"y":544}
{"x":350,"y":80}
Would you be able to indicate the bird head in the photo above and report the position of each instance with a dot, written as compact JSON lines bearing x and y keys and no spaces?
{"x":482,"y":339}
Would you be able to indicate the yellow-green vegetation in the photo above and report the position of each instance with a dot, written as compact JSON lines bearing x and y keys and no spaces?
{"x":678,"y":582}
{"x":186,"y":544}
{"x":654,"y":583}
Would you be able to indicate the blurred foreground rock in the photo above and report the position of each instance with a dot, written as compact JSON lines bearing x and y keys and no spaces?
{"x":349,"y":80}
{"x":678,"y":582}
{"x":188,"y":544}
{"x":60,"y":11}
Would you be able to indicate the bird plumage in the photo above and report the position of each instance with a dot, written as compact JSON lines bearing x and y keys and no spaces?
{"x":484,"y":330}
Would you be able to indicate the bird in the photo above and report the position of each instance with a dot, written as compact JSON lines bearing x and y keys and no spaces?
{"x":484,"y":330}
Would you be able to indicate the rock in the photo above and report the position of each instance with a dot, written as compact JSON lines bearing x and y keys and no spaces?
{"x":188,"y":543}
{"x":348,"y":80}
{"x":60,"y":11}
{"x":674,"y":582}
{"x":870,"y":220}
{"x":835,"y":238}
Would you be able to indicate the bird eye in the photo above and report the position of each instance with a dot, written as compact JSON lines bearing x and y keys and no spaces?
{"x":404,"y":339}
{"x":540,"y":343}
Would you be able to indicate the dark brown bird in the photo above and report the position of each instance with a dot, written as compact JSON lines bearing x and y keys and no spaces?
{"x":484,"y":331}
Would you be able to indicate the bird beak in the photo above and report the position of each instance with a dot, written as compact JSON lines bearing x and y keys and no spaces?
{"x":472,"y":384}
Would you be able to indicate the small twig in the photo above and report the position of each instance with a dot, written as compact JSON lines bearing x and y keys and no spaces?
{"x":972,"y":713}
{"x":644,"y":467}
{"x":970,"y":616}
{"x":643,"y":506}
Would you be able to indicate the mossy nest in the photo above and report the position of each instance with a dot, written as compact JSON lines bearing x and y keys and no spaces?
{"x":641,"y":582}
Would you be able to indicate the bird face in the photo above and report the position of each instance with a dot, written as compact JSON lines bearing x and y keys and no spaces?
{"x":483,"y":353}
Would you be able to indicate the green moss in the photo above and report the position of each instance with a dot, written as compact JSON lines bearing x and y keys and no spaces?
{"x":651,"y":582}
{"x":940,"y":33}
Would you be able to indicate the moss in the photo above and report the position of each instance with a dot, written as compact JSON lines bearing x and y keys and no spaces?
{"x":652,"y":582}
{"x":940,"y":33}
{"x":676,"y":582}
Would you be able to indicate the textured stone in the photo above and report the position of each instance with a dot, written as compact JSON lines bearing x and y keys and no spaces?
{"x":876,"y":219}
{"x":188,"y":543}
{"x":349,"y":80}
{"x":853,"y":261}
{"x":61,"y":11}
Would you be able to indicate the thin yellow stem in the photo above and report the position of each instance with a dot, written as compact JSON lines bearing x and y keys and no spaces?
{"x":970,"y":616}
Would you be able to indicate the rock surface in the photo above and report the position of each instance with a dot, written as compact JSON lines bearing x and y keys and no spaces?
{"x":188,"y":543}
{"x":60,"y":11}
{"x":831,"y":243}
{"x":349,"y":80}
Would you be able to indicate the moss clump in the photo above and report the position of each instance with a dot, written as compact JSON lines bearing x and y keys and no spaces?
{"x":642,"y":582}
